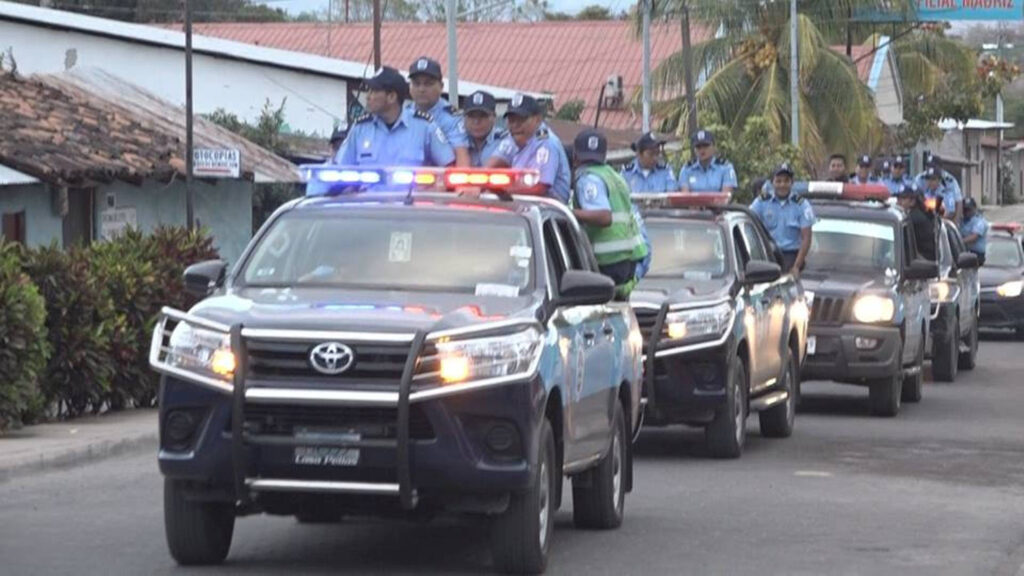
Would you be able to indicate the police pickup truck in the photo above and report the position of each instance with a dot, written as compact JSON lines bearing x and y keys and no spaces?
{"x":869,"y":316}
{"x":400,"y":350}
{"x":956,"y":306}
{"x":725,"y":330}
{"x":1002,"y":280}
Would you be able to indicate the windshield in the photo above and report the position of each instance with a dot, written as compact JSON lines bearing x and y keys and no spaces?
{"x":486,"y":256}
{"x":843,"y":244}
{"x":1003,"y":252}
{"x":691,"y":250}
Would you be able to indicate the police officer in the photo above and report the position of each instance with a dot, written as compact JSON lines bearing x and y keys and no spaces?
{"x":648,"y":172}
{"x":897,"y":177}
{"x":601,"y":204}
{"x":484,"y":136}
{"x":934,"y":187}
{"x":863,"y":174}
{"x":953,"y":197}
{"x":426,"y":85}
{"x":911,"y":199}
{"x":707,"y":172}
{"x":529,"y":144}
{"x":837,"y":168}
{"x":974,"y":229}
{"x":788,"y":218}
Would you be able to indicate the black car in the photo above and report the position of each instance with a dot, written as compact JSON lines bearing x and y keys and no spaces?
{"x":955,"y":301}
{"x":1002,"y":280}
{"x":869,"y":317}
{"x":725,"y":331}
{"x":404,"y":353}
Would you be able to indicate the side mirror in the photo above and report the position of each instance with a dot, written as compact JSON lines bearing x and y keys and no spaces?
{"x":203,"y":278}
{"x":921,"y":269}
{"x":582,"y":288}
{"x":967,"y":260}
{"x":758,"y":272}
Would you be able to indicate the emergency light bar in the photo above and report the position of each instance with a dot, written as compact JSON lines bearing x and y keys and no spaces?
{"x":682,"y":199}
{"x":846,"y":191}
{"x":1010,"y":227}
{"x":337,"y":179}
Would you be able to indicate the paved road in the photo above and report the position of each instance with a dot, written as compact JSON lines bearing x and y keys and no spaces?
{"x":938,"y":490}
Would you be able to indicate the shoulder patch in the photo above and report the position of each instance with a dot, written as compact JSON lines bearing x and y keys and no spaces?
{"x":720,"y":161}
{"x":542,"y":133}
{"x":364,"y":118}
{"x":453,"y":110}
{"x":423,"y":115}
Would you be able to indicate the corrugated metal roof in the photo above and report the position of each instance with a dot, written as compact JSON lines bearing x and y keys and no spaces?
{"x":9,"y":177}
{"x":569,"y":59}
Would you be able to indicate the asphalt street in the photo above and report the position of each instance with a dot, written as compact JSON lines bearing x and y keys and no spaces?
{"x":937,"y":490}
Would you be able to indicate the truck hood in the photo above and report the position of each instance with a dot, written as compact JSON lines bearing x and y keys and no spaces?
{"x":657,"y":291}
{"x":362,"y":311}
{"x":845,"y":283}
{"x":990,"y":277}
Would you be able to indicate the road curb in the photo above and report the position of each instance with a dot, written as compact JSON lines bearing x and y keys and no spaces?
{"x":80,"y":455}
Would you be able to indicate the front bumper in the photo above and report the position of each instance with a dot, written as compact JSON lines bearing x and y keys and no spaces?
{"x":688,"y":387}
{"x":837,"y":357}
{"x":999,"y":312}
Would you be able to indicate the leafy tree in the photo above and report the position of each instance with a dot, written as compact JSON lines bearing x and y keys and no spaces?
{"x":595,"y":12}
{"x":571,"y":110}
{"x":172,"y":10}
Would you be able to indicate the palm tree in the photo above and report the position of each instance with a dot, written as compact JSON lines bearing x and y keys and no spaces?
{"x":747,"y":71}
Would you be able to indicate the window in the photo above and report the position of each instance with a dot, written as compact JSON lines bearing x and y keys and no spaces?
{"x":556,"y":252}
{"x":755,"y":247}
{"x":572,"y":245}
{"x":946,"y":255}
{"x":14,"y":227}
{"x":687,"y":249}
{"x":840,"y":244}
{"x":1003,"y":252}
{"x":742,"y":254}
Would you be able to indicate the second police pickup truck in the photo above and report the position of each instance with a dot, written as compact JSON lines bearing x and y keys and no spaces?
{"x":400,"y":352}
{"x":956,"y":307}
{"x":725,"y":330}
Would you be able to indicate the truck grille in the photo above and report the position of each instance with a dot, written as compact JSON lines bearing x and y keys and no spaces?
{"x":827,"y":310}
{"x":376,"y":362}
{"x":370,"y":423}
{"x":646,"y":318}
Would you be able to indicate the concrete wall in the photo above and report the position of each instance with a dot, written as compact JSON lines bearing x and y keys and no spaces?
{"x":42,"y":225}
{"x":888,"y":101}
{"x":314,"y":102}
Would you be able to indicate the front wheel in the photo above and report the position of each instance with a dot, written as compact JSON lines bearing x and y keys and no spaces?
{"x":946,"y":355}
{"x":599,"y":495}
{"x":969,"y":359}
{"x":198,"y":533}
{"x":727,"y":433}
{"x":885,"y":395}
{"x":777,"y":421}
{"x":521,"y":536}
{"x":913,"y":385}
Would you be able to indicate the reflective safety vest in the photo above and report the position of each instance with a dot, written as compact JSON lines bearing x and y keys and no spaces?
{"x":622,"y":240}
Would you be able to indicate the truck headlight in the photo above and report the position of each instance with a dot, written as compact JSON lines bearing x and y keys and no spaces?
{"x":491,"y":357}
{"x":201,"y":350}
{"x":871,"y":308}
{"x":942,"y":291}
{"x":1011,"y":289}
{"x":698,"y":323}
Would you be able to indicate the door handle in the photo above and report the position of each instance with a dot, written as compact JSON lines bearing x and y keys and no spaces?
{"x":608,"y":330}
{"x":589,"y":337}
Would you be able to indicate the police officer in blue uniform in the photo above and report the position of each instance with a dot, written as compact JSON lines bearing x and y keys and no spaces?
{"x":897,"y":178}
{"x":788,"y":218}
{"x":953,"y":198}
{"x":863,"y":174}
{"x":426,"y":85}
{"x":935,"y":187}
{"x":974,"y":229}
{"x":531,"y":145}
{"x":707,"y":172}
{"x":484,"y":135}
{"x":648,"y":172}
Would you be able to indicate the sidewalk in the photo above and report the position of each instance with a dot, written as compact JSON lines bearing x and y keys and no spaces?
{"x":65,"y":444}
{"x":1011,"y":213}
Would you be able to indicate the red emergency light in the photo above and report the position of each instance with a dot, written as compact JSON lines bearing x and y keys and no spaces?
{"x":499,"y":179}
{"x":847,"y":191}
{"x":1010,"y":227}
{"x":682,"y":199}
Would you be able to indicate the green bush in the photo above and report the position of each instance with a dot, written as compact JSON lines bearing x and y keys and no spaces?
{"x":23,"y":345}
{"x":80,"y":319}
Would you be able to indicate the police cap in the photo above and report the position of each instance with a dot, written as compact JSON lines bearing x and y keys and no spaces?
{"x":590,"y":146}
{"x":970,"y":204}
{"x":647,"y":141}
{"x":899,"y":161}
{"x":389,"y":80}
{"x":703,"y":138}
{"x":424,"y":66}
{"x":911,"y":190}
{"x":932,"y":173}
{"x":480,"y":101}
{"x":864,"y":161}
{"x":783,"y":168}
{"x":523,"y":105}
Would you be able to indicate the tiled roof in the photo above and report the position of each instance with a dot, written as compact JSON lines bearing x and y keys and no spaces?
{"x":87,"y":126}
{"x":571,"y":60}
{"x":862,"y":56}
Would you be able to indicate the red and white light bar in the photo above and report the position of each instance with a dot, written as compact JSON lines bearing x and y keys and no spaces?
{"x":1011,"y":227}
{"x":682,"y":199}
{"x":362,"y":178}
{"x":846,"y":191}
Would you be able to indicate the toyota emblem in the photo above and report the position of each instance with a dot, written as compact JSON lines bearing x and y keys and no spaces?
{"x":331,"y":358}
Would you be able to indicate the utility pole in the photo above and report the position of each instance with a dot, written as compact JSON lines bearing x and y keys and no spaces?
{"x":691,"y":98}
{"x":189,"y":191}
{"x":453,"y":58}
{"x":346,"y":11}
{"x":645,"y":5}
{"x":376,"y":34}
{"x":794,"y":77}
{"x":330,"y":17}
{"x":999,"y":119}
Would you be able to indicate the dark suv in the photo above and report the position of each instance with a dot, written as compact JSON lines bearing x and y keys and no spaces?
{"x":1002,"y":280}
{"x":870,"y":311}
{"x":956,"y":306}
{"x":725,"y":331}
{"x":412,"y":353}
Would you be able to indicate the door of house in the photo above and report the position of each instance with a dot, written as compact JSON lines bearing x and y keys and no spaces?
{"x":78,"y":223}
{"x":13,"y":226}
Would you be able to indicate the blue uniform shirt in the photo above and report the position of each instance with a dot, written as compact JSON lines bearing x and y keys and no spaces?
{"x":976,"y":225}
{"x":895,"y":185}
{"x":478,"y":155}
{"x":544,"y":153}
{"x":451,"y":124}
{"x":949,"y":189}
{"x":660,"y":179}
{"x":784,"y":219}
{"x":854,"y":179}
{"x":718,"y":174}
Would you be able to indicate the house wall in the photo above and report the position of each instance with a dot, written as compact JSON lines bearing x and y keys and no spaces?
{"x":42,"y":225}
{"x":315,"y":103}
{"x":888,"y":97}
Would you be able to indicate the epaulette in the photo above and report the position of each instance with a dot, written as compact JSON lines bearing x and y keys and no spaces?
{"x":796,"y":198}
{"x":662,"y":166}
{"x":423,"y":115}
{"x":946,"y":179}
{"x":629,"y":167}
{"x":693,"y":162}
{"x":543,"y":133}
{"x":453,"y":110}
{"x":500,"y":135}
{"x":366,"y":117}
{"x":720,"y":161}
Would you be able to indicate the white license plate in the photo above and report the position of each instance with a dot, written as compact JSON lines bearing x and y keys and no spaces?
{"x":326,"y":456}
{"x":812,"y":345}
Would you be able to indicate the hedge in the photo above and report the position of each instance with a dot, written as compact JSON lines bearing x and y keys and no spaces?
{"x":23,"y":346}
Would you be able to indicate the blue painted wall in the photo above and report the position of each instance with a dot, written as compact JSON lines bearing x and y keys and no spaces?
{"x":42,"y":226}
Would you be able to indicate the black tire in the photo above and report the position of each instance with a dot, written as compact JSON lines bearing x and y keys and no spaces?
{"x":318,"y":516}
{"x":1019,"y":333}
{"x":913,"y":385}
{"x":946,"y":355}
{"x":521,"y":536}
{"x":968,"y":360}
{"x":777,"y":421}
{"x":599,"y":495}
{"x":885,"y":395}
{"x":198,"y":533}
{"x":727,"y":433}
